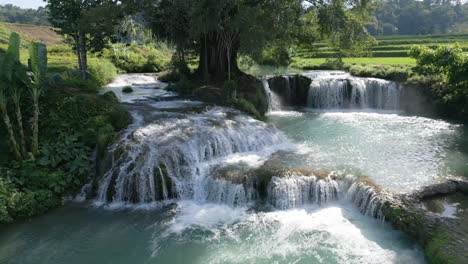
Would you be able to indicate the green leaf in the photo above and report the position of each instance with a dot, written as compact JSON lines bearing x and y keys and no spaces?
{"x":38,"y":63}
{"x":14,"y":45}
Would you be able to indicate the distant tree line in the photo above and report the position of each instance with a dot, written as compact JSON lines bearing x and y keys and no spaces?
{"x":13,"y":14}
{"x":416,"y":17}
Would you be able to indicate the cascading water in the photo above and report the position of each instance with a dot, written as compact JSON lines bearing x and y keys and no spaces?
{"x":274,"y":101}
{"x":299,"y":190}
{"x":346,"y":92}
{"x":170,"y":158}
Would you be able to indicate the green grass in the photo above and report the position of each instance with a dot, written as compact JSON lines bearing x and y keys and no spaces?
{"x":314,"y":62}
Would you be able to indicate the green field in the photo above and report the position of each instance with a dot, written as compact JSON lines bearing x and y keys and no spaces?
{"x":390,"y":50}
{"x":312,"y":62}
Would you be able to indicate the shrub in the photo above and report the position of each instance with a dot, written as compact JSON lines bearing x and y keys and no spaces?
{"x":171,"y":76}
{"x":87,"y":86}
{"x":275,"y":56}
{"x":102,"y":71}
{"x":396,"y":73}
{"x":450,"y":65}
{"x":138,"y":58}
{"x":183,"y":86}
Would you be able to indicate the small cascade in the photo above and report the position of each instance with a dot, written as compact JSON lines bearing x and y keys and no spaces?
{"x":274,"y":101}
{"x":347,"y":92}
{"x":291,"y":192}
{"x":170,"y":158}
{"x":366,"y":199}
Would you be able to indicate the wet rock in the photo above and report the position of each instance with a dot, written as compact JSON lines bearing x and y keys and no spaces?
{"x":293,"y":89}
{"x":449,"y":186}
{"x":127,"y":89}
{"x":442,"y":240}
{"x":209,"y":94}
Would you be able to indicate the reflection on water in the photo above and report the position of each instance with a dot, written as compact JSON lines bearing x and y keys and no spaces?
{"x":449,"y":206}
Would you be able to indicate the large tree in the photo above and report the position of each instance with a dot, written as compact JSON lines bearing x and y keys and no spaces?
{"x":88,"y":23}
{"x":219,"y":30}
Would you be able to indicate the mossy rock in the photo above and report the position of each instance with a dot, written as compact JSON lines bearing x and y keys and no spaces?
{"x":209,"y":94}
{"x":251,"y":90}
{"x":110,"y":97}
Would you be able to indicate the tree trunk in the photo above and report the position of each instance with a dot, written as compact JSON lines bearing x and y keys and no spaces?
{"x":214,"y":61}
{"x":11,"y":134}
{"x":82,"y":56}
{"x":19,"y":120}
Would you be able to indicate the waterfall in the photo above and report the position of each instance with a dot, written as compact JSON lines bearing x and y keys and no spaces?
{"x":346,"y":92}
{"x":170,"y":158}
{"x":291,"y":192}
{"x":366,"y":199}
{"x":274,"y":101}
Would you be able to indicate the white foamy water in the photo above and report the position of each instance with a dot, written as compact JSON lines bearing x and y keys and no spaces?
{"x":176,"y":104}
{"x":171,"y":157}
{"x":144,"y":86}
{"x":335,"y":234}
{"x":274,"y":101}
{"x":336,"y":92}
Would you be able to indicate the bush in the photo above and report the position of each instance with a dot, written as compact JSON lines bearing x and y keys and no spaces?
{"x":23,"y":203}
{"x":183,"y":87}
{"x":138,"y":58}
{"x":275,"y":56}
{"x":86,"y":86}
{"x":396,"y":73}
{"x":102,"y":71}
{"x":170,"y":77}
{"x":450,"y":65}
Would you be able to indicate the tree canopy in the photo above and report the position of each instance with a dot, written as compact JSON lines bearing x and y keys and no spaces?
{"x":413,"y":17}
{"x":219,"y":30}
{"x":90,"y":24}
{"x":13,"y":14}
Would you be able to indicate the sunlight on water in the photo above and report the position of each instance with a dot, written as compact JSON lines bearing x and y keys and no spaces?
{"x":400,"y":152}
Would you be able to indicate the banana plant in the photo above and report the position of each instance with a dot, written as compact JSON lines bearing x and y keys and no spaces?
{"x":17,"y":78}
{"x":38,"y":67}
{"x":9,"y":64}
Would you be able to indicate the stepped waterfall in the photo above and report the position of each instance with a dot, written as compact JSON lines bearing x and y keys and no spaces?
{"x":171,"y":159}
{"x":179,"y":157}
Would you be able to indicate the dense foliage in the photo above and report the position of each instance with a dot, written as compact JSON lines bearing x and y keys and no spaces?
{"x":138,"y":57}
{"x":218,"y":31}
{"x":74,"y":121}
{"x":13,"y":14}
{"x":413,"y":17}
{"x":447,"y":71}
